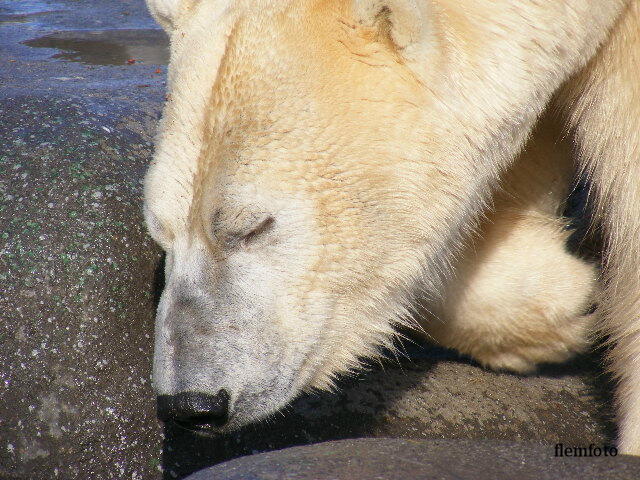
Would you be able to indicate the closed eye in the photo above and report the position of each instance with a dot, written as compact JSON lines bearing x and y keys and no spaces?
{"x":263,"y":227}
{"x":239,"y":228}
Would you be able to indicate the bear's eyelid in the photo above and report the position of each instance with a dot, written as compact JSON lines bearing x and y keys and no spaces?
{"x":233,"y":237}
{"x":262,"y":227}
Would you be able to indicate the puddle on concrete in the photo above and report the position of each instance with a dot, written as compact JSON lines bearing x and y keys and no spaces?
{"x":107,"y":47}
{"x":8,"y":18}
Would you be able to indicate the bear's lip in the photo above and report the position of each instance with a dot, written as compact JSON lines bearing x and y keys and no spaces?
{"x":205,"y":427}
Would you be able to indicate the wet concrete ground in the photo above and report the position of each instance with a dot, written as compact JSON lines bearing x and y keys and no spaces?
{"x":81,"y":89}
{"x":401,"y":459}
{"x":76,"y":267}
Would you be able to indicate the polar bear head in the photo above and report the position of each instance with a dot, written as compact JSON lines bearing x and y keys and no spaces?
{"x":316,"y":161}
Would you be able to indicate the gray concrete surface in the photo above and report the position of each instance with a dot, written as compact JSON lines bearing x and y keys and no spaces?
{"x":76,"y":266}
{"x":78,"y":284}
{"x":399,"y":459}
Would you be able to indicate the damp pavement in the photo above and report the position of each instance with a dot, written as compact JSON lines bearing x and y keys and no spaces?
{"x":78,"y":104}
{"x":401,"y":459}
{"x":81,"y":89}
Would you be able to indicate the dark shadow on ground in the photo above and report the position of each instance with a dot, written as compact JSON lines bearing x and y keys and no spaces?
{"x":158,"y":280}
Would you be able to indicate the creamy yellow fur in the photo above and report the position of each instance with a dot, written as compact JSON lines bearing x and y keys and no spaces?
{"x":373,"y":136}
{"x":603,"y":107}
{"x":518,"y":297}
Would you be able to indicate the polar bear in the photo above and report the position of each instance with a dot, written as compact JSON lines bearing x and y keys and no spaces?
{"x":329,"y":170}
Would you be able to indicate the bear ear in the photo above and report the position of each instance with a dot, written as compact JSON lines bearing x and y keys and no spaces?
{"x":406,"y":22}
{"x":164,"y":12}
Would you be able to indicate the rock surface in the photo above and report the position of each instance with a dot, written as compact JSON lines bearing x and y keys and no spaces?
{"x":398,"y":459}
{"x":78,"y":282}
{"x":76,"y":265}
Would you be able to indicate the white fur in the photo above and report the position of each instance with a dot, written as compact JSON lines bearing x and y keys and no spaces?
{"x":376,"y":134}
{"x":180,"y":140}
{"x":165,"y":12}
{"x":602,"y":103}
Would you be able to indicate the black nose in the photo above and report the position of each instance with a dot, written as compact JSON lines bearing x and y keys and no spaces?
{"x":195,"y":409}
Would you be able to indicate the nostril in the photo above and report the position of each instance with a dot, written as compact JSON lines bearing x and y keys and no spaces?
{"x":198,"y":408}
{"x":195,"y":408}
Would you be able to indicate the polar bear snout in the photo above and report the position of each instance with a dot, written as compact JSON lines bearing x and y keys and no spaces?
{"x":195,"y":410}
{"x":222,"y":358}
